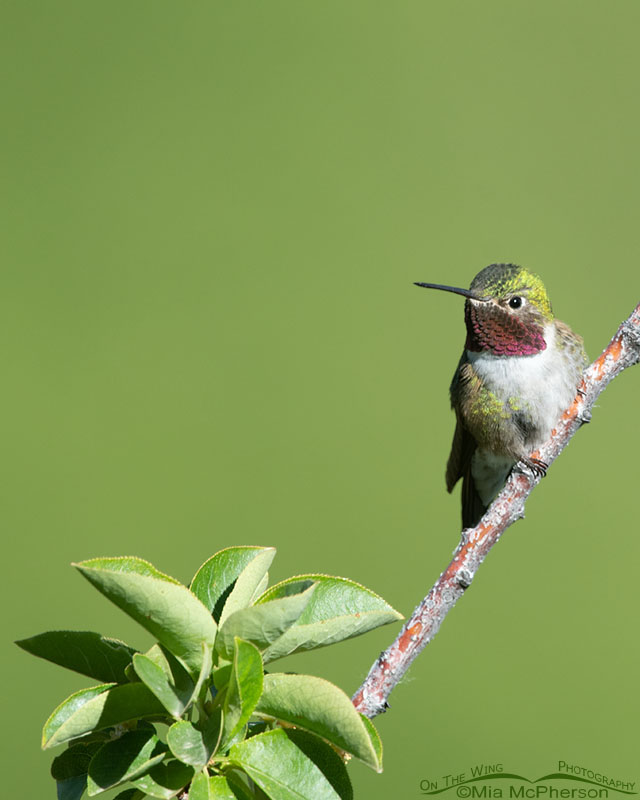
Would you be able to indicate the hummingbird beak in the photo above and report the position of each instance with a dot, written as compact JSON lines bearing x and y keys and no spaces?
{"x":454,"y":289}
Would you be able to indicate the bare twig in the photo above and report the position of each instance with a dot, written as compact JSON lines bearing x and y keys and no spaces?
{"x":475,"y":543}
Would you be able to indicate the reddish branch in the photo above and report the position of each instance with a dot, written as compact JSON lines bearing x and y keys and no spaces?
{"x":475,"y":543}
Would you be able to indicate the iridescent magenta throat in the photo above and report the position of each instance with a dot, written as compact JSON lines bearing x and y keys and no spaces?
{"x":501,"y":333}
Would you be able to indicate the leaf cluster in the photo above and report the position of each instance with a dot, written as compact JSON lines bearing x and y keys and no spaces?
{"x":197,"y":716}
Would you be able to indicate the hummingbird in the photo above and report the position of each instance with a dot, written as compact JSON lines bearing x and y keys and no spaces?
{"x":519,"y":371}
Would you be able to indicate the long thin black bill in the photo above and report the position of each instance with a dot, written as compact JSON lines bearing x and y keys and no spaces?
{"x":454,"y":289}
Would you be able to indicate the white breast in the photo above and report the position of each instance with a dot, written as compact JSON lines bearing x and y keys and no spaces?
{"x":542,"y":384}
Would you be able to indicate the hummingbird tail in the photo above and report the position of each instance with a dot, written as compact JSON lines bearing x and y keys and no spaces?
{"x":472,"y":506}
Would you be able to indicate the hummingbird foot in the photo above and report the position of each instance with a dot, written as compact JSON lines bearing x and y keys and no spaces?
{"x":584,"y":416}
{"x":535,"y":465}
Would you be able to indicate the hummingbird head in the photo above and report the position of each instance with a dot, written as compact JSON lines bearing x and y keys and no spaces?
{"x":506,"y":310}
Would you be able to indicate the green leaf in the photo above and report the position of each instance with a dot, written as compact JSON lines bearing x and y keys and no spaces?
{"x":159,"y":603}
{"x":127,"y":564}
{"x":339,"y":609}
{"x":96,"y":708}
{"x":221,"y":676}
{"x":71,"y":788}
{"x":260,"y":589}
{"x":169,"y":664}
{"x":68,"y":708}
{"x":175,"y":693}
{"x":96,"y":738}
{"x":245,"y":688}
{"x":82,"y":651}
{"x":205,"y":671}
{"x":262,"y":624}
{"x":326,"y":759}
{"x":281,"y":769}
{"x":215,"y":579}
{"x":240,"y":789}
{"x":321,"y":707}
{"x":376,"y":741}
{"x":200,"y":788}
{"x":215,"y":788}
{"x":74,"y":761}
{"x":165,"y":780}
{"x":70,"y":768}
{"x":247,"y":582}
{"x":194,"y":746}
{"x":124,"y":759}
{"x":221,"y":789}
{"x":129,"y":794}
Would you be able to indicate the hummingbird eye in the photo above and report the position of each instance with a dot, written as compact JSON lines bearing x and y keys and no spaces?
{"x":515,"y":302}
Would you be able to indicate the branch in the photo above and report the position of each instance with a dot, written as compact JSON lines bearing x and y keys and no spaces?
{"x":371,"y":698}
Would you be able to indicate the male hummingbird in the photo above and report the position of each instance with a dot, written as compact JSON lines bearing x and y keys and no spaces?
{"x":519,"y":371}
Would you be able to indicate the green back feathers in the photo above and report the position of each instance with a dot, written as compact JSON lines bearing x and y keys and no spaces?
{"x":503,"y":280}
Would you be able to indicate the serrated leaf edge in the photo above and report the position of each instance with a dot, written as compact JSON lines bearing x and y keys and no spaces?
{"x":158,"y":574}
{"x":317,"y":576}
{"x":104,"y":686}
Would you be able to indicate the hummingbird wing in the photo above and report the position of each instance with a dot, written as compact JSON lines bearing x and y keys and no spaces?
{"x":459,"y":466}
{"x":462,"y":449}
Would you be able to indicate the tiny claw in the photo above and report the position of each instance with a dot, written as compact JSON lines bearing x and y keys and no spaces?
{"x":537,"y":466}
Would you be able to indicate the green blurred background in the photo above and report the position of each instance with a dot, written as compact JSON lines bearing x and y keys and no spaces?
{"x":213,"y":214}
